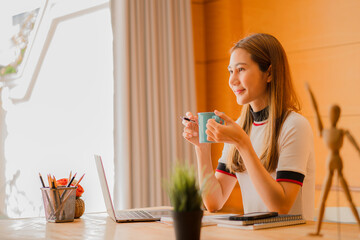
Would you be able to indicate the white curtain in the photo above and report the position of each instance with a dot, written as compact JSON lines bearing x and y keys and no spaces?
{"x":154,"y":86}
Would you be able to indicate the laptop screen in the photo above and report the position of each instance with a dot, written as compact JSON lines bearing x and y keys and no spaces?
{"x":105,"y":187}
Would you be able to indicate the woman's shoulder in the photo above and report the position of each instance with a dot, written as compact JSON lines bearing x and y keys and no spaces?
{"x":297,"y":118}
{"x":296,"y":121}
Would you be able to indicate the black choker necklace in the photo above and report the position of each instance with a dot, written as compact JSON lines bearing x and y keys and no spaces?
{"x":261,"y":115}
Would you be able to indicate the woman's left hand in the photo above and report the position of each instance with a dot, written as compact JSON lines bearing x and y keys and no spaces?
{"x":231,"y":132}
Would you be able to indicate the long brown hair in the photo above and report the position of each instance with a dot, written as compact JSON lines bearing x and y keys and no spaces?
{"x":267,"y":52}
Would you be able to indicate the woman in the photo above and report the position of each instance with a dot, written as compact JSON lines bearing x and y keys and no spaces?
{"x":269,"y":149}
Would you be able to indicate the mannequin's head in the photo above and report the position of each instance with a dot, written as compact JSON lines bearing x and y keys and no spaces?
{"x":334,"y":113}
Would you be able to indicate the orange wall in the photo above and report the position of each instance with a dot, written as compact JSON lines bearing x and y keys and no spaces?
{"x":322,"y":40}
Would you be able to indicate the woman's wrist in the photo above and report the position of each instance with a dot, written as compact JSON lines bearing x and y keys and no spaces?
{"x":203,"y":154}
{"x":242,"y":146}
{"x":203,"y":147}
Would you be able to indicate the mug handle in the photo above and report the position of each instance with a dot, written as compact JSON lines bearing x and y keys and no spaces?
{"x":218,"y":119}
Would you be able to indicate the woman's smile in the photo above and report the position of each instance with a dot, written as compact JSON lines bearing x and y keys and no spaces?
{"x":239,"y":91}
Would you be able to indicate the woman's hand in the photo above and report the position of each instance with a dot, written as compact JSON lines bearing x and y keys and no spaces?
{"x":191,"y":129}
{"x":231,"y":132}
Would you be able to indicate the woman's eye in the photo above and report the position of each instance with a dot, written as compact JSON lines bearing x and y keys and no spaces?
{"x":241,"y":69}
{"x":231,"y":71}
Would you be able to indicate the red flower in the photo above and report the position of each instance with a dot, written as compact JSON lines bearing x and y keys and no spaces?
{"x":64,"y":182}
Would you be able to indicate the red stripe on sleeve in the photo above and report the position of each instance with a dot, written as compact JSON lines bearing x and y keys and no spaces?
{"x":220,"y":171}
{"x":289,"y":180}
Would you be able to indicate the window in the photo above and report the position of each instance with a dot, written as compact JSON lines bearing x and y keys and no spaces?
{"x":57,"y":117}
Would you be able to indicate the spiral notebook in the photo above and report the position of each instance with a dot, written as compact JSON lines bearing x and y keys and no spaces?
{"x":206,"y":220}
{"x":278,"y":221}
{"x":265,"y":225}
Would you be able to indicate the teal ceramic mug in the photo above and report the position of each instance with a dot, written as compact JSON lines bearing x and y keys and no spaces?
{"x":203,"y":119}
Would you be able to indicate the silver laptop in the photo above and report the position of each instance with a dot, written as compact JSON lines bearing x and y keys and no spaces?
{"x":125,"y":215}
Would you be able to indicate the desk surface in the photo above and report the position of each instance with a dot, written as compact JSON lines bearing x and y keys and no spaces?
{"x":100,"y":226}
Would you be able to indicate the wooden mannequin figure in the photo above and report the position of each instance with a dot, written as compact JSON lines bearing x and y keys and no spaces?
{"x":333,"y":138}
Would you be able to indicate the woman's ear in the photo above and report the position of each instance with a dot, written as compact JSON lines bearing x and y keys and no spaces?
{"x":269,"y":77}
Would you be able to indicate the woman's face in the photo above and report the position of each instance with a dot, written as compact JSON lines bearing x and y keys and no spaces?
{"x":247,"y":81}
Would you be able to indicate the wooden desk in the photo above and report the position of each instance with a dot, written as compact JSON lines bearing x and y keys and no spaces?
{"x":100,"y":226}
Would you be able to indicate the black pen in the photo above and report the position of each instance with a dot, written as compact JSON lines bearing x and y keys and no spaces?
{"x":187,"y":119}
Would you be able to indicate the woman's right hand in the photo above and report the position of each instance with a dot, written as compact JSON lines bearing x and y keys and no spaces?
{"x":191,"y":129}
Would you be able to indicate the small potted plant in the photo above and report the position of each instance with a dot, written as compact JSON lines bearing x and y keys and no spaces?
{"x":185,"y":197}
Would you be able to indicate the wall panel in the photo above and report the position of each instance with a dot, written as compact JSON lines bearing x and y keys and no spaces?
{"x":200,"y":84}
{"x":198,"y":19}
{"x":223,"y":28}
{"x":304,"y":25}
{"x":333,"y":74}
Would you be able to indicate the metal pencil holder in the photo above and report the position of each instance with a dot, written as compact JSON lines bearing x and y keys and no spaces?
{"x":59,"y":203}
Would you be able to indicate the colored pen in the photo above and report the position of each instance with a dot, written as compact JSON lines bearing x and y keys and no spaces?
{"x":187,"y":119}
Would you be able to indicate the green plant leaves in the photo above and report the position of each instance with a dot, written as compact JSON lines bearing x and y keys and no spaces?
{"x":183,"y":189}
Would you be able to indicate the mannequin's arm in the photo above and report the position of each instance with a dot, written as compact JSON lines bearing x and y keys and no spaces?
{"x":352,"y":140}
{"x":317,"y":115}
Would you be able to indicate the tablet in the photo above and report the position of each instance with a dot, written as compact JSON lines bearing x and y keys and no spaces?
{"x":253,"y":216}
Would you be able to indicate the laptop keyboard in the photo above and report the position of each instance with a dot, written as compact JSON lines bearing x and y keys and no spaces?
{"x":138,"y":214}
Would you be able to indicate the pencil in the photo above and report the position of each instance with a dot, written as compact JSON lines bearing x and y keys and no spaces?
{"x":69,"y":184}
{"x":69,"y":176}
{"x":79,"y":180}
{"x":52,"y":182}
{"x":42,"y":181}
{"x":49,"y":181}
{"x":55,"y":183}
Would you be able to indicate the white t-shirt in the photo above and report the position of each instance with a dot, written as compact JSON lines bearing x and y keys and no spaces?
{"x":296,"y":164}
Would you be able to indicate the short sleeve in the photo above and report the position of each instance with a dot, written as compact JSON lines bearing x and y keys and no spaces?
{"x":221,"y":168}
{"x":295,"y":144}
